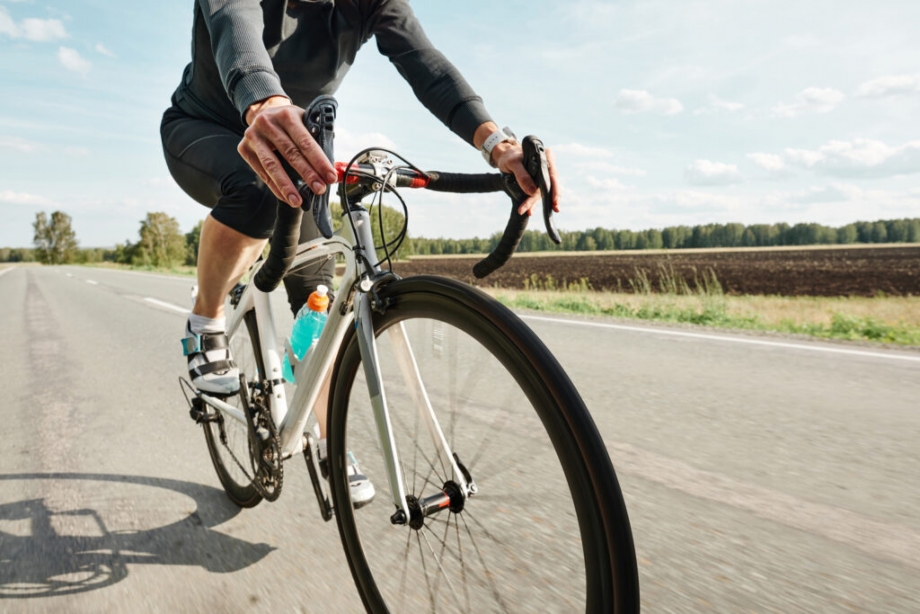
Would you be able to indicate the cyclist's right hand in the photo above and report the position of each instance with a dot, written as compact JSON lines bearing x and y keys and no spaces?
{"x":276,"y":126}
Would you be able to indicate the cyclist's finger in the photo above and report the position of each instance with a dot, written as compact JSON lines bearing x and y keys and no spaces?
{"x":528,"y":206}
{"x":311,"y":151}
{"x":261,"y":157}
{"x":523,"y":177}
{"x":554,"y":178}
{"x":297,"y":145}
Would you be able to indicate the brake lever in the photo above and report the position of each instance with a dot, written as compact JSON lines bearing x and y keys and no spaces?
{"x":319,"y":119}
{"x":537,"y":166}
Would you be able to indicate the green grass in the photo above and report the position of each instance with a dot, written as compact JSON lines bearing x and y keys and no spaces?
{"x":702,"y":302}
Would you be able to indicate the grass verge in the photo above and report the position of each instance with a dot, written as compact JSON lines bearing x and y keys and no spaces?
{"x":891,"y":320}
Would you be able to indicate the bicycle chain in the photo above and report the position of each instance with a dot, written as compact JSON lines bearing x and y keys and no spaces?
{"x":264,"y":448}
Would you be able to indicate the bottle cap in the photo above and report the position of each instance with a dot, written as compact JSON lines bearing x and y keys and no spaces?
{"x":319,"y":299}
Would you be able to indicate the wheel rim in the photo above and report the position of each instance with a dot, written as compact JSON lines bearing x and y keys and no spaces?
{"x":228,"y":438}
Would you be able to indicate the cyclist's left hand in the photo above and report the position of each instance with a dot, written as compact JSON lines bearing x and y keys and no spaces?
{"x":509,"y":157}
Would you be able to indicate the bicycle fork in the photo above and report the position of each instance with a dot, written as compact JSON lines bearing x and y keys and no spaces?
{"x":409,"y":509}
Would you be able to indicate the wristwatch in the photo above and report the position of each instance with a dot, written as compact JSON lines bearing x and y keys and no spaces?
{"x":499,"y":136}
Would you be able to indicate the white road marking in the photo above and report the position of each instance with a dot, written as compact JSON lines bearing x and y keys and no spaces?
{"x":92,"y":283}
{"x":5,"y":271}
{"x":166,"y":305}
{"x":181,"y":278}
{"x":676,"y":333}
{"x":69,"y":275}
{"x":887,"y":540}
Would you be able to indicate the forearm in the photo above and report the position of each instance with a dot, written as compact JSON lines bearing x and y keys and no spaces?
{"x":435,"y":81}
{"x":245,"y":68}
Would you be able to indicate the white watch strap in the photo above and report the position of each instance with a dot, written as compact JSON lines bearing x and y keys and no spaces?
{"x":499,"y":136}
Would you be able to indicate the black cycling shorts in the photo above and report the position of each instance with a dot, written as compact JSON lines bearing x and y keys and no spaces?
{"x":202,"y":157}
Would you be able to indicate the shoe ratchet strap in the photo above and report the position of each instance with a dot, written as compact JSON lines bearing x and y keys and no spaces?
{"x":202,"y":344}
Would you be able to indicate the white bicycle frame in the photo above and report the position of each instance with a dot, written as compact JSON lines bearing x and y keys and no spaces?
{"x":291,"y":419}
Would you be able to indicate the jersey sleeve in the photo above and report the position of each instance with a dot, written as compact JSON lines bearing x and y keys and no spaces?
{"x":436,"y":82}
{"x":245,"y":68}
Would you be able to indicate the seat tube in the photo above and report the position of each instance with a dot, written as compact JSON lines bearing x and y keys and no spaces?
{"x":369,"y":358}
{"x":268,"y":341}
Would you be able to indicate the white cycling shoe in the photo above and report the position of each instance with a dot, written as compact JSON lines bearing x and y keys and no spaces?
{"x":360,"y":488}
{"x":210,"y":365}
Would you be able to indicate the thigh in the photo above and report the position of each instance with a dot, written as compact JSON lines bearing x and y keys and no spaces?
{"x":202,"y":157}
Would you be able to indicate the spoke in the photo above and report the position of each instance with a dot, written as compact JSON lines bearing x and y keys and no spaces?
{"x":437,"y":560}
{"x":466,"y":589}
{"x":488,"y":574}
{"x":431,"y":597}
{"x":405,"y":569}
{"x":522,"y":563}
{"x":432,"y":467}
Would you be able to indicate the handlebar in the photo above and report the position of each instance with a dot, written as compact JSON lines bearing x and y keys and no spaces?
{"x":319,"y":119}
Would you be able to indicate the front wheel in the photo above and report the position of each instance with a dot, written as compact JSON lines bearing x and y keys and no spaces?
{"x":546,"y":530}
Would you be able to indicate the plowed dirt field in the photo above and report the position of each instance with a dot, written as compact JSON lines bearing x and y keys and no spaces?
{"x":850,"y":271}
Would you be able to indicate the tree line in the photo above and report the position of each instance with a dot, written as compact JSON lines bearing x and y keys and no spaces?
{"x":688,"y":237}
{"x":162,"y":244}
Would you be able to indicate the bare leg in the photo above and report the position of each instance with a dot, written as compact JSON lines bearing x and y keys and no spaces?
{"x":224,"y":255}
{"x":321,"y":405}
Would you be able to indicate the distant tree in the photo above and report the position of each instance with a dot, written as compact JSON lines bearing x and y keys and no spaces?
{"x":847,"y":234}
{"x":192,"y":241}
{"x":897,"y":231}
{"x":55,"y":240}
{"x":161,"y":244}
{"x":879,"y":232}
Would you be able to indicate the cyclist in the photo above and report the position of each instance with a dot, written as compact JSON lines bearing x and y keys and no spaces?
{"x":239,"y":108}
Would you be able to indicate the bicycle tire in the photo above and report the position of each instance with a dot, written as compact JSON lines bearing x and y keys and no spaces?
{"x":230,"y":454}
{"x":572,"y":496}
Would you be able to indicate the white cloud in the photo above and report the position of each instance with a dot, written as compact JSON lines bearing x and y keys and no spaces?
{"x":582,"y":151}
{"x":768,"y":162}
{"x":22,"y":198}
{"x":354,"y":142}
{"x":606,"y":184}
{"x":803,"y":157}
{"x":32,"y":29}
{"x":827,"y":194}
{"x":640,"y":101}
{"x":100,"y":48}
{"x":18,"y":144}
{"x":705,"y":172}
{"x":859,"y":158}
{"x":72,"y":60}
{"x":7,"y":25}
{"x":42,"y":30}
{"x":889,"y":86}
{"x":717,"y":105}
{"x":811,"y":100}
{"x":613,"y":169}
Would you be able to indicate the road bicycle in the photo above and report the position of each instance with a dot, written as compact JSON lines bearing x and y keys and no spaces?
{"x":495,"y":490}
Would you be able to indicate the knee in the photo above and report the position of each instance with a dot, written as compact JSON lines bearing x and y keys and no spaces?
{"x":248,"y":206}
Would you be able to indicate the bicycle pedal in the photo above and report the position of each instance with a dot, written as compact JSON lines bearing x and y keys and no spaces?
{"x":199,"y":412}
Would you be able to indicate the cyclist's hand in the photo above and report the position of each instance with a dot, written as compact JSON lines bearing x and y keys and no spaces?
{"x":276,"y":127}
{"x":510,"y":159}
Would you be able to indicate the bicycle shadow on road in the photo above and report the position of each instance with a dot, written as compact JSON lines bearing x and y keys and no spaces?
{"x":46,"y":551}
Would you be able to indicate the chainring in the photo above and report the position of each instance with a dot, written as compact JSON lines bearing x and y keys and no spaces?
{"x":264,"y":447}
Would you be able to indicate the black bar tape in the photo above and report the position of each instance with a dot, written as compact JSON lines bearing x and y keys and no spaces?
{"x":283,"y":248}
{"x":464,"y":183}
{"x":514,"y":231}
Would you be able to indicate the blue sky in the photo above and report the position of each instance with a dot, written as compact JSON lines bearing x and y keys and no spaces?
{"x":660,"y":112}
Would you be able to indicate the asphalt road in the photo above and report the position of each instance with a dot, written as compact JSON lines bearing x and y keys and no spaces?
{"x":761,"y":474}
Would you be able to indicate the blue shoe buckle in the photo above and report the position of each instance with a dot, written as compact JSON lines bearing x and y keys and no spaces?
{"x":191,"y":345}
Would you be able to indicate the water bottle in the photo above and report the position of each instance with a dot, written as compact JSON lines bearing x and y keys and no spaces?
{"x":308,"y":324}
